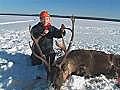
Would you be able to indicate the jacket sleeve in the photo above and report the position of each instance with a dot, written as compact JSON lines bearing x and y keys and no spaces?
{"x":35,"y":31}
{"x":57,"y":33}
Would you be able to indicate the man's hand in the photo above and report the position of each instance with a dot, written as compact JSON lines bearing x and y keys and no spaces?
{"x":62,"y":27}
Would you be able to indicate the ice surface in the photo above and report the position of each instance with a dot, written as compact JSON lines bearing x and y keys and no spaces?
{"x":16,"y":72}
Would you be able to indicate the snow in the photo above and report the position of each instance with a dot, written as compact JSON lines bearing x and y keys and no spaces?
{"x":4,"y":23}
{"x":16,"y":71}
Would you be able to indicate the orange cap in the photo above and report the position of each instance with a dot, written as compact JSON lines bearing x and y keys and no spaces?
{"x":44,"y":14}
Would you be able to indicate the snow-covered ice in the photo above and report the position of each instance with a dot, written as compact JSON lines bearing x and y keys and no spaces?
{"x":16,"y":72}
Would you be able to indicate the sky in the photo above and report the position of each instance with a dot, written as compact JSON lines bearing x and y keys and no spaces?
{"x":98,"y":8}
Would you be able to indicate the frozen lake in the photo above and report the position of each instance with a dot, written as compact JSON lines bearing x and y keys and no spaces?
{"x":18,"y":74}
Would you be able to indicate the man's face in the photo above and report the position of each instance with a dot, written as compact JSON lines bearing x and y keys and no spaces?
{"x":45,"y":21}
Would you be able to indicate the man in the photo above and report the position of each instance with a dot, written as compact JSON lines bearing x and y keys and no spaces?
{"x":48,"y":32}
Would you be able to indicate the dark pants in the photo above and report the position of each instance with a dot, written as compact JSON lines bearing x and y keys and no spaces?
{"x":51,"y":61}
{"x":36,"y":61}
{"x":49,"y":58}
